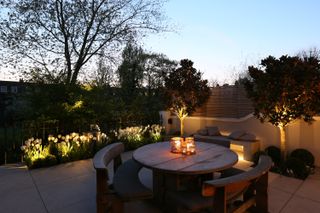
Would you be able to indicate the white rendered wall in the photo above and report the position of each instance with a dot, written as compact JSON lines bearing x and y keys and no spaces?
{"x":299,"y":134}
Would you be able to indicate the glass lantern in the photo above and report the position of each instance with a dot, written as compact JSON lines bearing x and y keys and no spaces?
{"x":176,"y":144}
{"x":188,"y":146}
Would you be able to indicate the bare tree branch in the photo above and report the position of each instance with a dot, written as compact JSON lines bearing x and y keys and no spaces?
{"x":44,"y":32}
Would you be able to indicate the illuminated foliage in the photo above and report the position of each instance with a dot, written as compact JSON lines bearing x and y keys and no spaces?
{"x":136,"y":136}
{"x":285,"y":89}
{"x":62,"y":148}
{"x":185,"y":90}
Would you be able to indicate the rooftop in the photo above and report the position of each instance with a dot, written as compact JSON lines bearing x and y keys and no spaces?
{"x":70,"y":188}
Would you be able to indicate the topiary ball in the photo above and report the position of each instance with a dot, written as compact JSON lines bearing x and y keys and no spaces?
{"x":275,"y":154}
{"x":304,"y":155}
{"x":296,"y":168}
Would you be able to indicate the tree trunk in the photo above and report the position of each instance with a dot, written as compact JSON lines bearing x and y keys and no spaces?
{"x":181,"y":126}
{"x":283,"y":142}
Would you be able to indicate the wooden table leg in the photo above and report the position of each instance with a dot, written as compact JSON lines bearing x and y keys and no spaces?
{"x":158,"y":187}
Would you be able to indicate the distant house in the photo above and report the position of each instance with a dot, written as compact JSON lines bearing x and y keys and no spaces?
{"x":8,"y":93}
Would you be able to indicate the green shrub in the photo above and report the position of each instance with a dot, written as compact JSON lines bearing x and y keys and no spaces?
{"x":275,"y":154}
{"x":49,"y":160}
{"x":304,"y":155}
{"x":295,"y":167}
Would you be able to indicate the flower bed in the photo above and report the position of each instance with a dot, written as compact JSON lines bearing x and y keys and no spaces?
{"x":75,"y":146}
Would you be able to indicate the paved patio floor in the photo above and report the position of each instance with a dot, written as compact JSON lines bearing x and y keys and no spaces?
{"x":70,"y":187}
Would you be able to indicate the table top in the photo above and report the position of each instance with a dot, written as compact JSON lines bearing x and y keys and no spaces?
{"x":208,"y":158}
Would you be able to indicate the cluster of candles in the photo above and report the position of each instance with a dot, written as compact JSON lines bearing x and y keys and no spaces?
{"x":182,"y":145}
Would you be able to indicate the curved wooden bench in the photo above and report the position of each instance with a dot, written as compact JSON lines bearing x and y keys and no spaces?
{"x":126,"y":184}
{"x":217,"y":193}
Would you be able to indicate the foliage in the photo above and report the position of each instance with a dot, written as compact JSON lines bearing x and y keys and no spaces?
{"x":299,"y":164}
{"x":185,"y":90}
{"x":35,"y":154}
{"x":275,"y":154}
{"x":58,"y":37}
{"x":75,"y":107}
{"x":156,"y":133}
{"x":294,"y":167}
{"x":134,"y":137}
{"x":283,"y":90}
{"x":305,"y":156}
{"x":131,"y":69}
{"x":140,"y":69}
{"x":75,"y":146}
{"x":62,"y":148}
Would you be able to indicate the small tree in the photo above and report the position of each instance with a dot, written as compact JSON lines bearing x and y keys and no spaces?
{"x":185,"y":90}
{"x":283,"y":90}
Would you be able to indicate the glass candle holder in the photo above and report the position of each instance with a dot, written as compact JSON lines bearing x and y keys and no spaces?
{"x":188,"y":146}
{"x":176,"y":144}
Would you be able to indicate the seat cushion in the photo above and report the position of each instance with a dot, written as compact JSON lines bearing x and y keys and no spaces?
{"x":126,"y":182}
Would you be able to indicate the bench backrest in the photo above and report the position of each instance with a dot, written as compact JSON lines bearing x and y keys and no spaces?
{"x":100,"y":162}
{"x":104,"y":156}
{"x":225,"y":189}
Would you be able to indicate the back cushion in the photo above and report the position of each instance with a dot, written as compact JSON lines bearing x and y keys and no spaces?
{"x":213,"y":131}
{"x":236,"y":135}
{"x":203,"y":132}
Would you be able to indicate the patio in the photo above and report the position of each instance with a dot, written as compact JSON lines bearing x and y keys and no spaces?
{"x":70,"y":188}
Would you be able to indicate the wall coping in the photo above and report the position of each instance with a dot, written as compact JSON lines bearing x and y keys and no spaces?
{"x":235,"y":120}
{"x":223,"y":119}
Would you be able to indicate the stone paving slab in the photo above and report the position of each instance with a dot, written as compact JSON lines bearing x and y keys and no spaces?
{"x":70,"y":188}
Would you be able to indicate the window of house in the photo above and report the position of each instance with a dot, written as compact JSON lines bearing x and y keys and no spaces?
{"x":14,"y":89}
{"x":3,"y":89}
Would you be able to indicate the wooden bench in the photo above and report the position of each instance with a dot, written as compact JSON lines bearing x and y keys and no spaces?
{"x":218,"y":194}
{"x":126,"y":184}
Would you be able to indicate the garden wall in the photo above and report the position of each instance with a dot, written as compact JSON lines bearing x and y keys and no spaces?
{"x":299,"y":134}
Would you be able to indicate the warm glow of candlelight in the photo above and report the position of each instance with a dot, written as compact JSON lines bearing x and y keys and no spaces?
{"x":176,"y":144}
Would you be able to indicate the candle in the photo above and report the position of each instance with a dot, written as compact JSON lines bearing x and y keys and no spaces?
{"x":189,"y":146}
{"x":176,"y":144}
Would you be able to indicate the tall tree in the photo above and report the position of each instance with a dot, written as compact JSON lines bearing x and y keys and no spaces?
{"x":156,"y":68}
{"x":60,"y":36}
{"x":130,"y":71}
{"x":104,"y":74}
{"x":185,"y":90}
{"x":283,"y":90}
{"x":142,"y":69}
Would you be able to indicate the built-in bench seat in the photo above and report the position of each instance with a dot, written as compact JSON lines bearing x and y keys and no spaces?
{"x":248,"y":146}
{"x":126,"y":183}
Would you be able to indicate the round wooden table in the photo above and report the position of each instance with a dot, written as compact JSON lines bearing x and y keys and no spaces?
{"x":170,"y":168}
{"x":208,"y":158}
